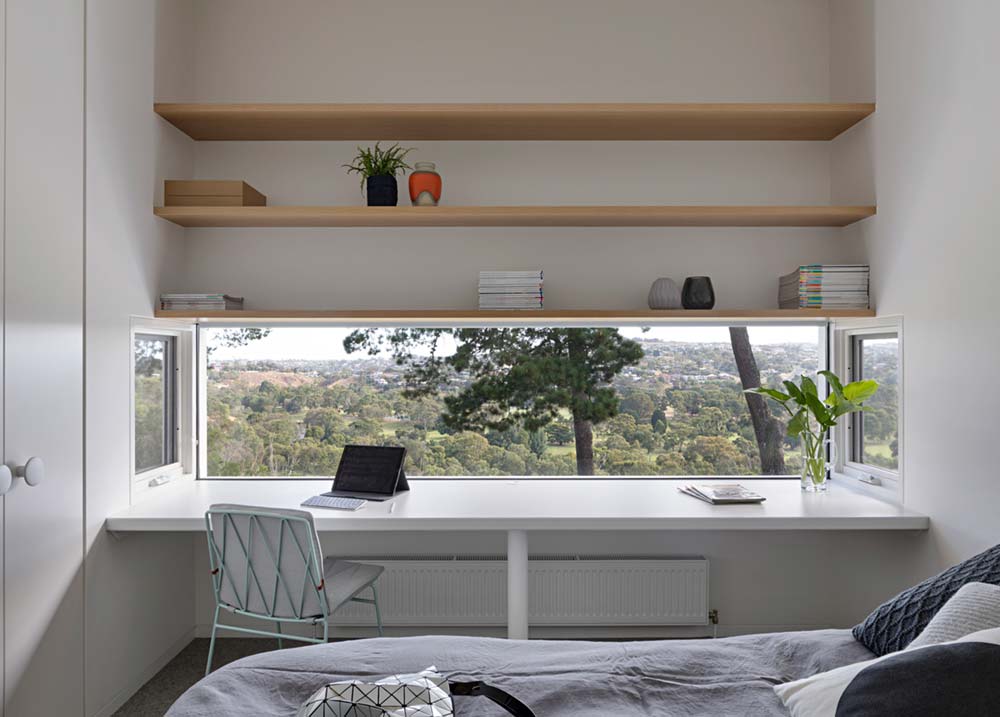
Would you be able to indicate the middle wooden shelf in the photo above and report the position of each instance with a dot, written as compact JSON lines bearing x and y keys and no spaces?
{"x":517,"y":216}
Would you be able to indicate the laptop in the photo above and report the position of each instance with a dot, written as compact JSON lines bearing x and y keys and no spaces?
{"x":370,"y":473}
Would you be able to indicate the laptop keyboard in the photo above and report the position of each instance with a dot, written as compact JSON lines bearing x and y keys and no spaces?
{"x":337,"y":503}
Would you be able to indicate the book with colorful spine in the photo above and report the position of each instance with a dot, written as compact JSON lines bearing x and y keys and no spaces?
{"x":825,"y":286}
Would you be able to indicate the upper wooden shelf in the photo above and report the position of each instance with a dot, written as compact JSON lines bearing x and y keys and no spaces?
{"x":561,"y":121}
{"x":523,"y":216}
{"x":416,"y":317}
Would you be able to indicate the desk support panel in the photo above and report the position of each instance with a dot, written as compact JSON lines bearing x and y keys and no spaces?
{"x":517,"y":584}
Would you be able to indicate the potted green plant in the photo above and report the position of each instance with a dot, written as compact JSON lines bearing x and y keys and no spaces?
{"x":378,"y":169}
{"x":810,"y":418}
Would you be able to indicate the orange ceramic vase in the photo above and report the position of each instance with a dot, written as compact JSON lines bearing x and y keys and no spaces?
{"x":425,"y":185}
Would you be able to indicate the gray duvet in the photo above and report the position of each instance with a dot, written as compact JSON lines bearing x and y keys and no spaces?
{"x":731,"y":676}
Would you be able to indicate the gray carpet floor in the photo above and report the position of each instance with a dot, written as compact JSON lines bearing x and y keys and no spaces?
{"x":156,"y":696}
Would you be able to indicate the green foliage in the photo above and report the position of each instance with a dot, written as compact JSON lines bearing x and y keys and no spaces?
{"x":378,"y":162}
{"x":292,"y":418}
{"x":517,"y":376}
{"x":538,"y":442}
{"x":559,"y":433}
{"x":809,"y":407}
{"x":810,"y":417}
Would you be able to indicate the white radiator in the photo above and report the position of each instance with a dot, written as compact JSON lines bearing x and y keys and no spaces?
{"x":564,"y":591}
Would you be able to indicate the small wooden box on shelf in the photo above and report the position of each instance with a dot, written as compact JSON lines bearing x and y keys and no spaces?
{"x":210,"y":193}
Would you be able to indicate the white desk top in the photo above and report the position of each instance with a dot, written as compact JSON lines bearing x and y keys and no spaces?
{"x":508,"y":504}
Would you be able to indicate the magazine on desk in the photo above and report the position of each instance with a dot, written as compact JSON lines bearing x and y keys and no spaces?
{"x":723,"y":494}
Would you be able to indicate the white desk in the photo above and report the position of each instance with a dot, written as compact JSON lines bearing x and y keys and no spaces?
{"x":515,"y":507}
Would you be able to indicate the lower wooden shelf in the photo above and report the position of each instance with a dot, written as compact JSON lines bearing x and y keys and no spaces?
{"x":520,"y":216}
{"x":436,"y":316}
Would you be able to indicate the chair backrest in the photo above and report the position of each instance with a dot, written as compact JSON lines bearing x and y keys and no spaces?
{"x":266,"y":561}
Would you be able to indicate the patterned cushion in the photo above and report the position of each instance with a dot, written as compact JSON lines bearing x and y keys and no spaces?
{"x":895,"y":623}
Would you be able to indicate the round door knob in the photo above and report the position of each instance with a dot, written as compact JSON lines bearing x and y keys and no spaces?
{"x":6,"y":479}
{"x":33,"y":471}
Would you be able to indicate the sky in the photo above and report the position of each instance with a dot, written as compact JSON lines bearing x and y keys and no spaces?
{"x":318,"y":343}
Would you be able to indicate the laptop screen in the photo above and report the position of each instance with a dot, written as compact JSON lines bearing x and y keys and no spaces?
{"x":369,"y":469}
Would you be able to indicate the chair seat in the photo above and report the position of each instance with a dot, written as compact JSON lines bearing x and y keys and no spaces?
{"x":345,"y":579}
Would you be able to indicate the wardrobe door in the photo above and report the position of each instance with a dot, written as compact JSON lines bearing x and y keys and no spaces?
{"x":43,"y":408}
{"x":3,"y":223}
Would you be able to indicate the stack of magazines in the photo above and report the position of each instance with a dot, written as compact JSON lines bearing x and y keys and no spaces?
{"x":510,"y":289}
{"x":722,"y":494}
{"x":200,"y":302}
{"x":825,"y":286}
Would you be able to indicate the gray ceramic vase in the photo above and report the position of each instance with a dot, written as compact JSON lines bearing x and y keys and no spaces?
{"x":664,"y":294}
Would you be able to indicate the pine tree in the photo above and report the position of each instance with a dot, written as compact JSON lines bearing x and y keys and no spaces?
{"x":515,"y":376}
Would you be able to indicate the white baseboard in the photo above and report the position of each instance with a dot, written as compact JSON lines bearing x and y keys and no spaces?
{"x":145,"y":675}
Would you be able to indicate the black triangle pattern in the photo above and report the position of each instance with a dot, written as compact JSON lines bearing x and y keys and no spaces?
{"x":424,"y":694}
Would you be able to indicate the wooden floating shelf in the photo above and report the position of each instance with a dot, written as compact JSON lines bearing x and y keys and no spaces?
{"x":519,"y":121}
{"x":523,"y":216}
{"x":436,"y":316}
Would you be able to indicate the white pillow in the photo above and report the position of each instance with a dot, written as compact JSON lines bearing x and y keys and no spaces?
{"x":820,"y":695}
{"x":975,"y":607}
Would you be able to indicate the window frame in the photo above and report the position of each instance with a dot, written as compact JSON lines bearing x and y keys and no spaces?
{"x":822,"y":326}
{"x":848,"y":338}
{"x":181,"y":385}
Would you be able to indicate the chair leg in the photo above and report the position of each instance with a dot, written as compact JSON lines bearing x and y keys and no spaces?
{"x":211,"y":644}
{"x":378,"y":613}
{"x":277,"y":627}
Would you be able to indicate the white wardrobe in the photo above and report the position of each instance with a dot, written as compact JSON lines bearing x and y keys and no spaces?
{"x":42,"y":356}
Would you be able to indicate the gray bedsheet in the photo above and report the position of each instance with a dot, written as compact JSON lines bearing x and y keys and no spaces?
{"x":731,"y":676}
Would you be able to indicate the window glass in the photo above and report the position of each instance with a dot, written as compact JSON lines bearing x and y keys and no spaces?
{"x":613,"y":401}
{"x":878,"y":358}
{"x":154,"y":402}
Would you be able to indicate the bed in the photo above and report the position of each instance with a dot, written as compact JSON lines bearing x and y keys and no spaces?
{"x":731,"y":676}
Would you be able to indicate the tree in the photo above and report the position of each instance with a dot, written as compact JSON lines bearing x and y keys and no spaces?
{"x":559,"y":433}
{"x":515,"y":375}
{"x":639,"y":405}
{"x":538,"y":442}
{"x":766,"y":428}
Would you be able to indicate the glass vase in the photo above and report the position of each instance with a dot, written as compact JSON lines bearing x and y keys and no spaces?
{"x":815,"y":467}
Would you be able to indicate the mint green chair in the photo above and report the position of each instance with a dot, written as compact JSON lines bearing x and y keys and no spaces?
{"x":267,"y":564}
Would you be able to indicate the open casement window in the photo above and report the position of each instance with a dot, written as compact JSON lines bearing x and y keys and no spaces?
{"x":162,"y":391}
{"x":870,"y":443}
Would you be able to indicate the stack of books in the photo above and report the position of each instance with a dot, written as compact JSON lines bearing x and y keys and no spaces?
{"x":825,"y":286}
{"x":510,"y":289}
{"x":200,"y":302}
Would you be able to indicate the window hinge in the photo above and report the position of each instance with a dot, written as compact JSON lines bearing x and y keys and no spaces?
{"x":870,"y":479}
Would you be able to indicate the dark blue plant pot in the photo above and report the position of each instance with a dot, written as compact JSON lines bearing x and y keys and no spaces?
{"x":382,"y":191}
{"x":698,"y":293}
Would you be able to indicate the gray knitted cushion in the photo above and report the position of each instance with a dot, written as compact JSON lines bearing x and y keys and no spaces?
{"x":975,"y":607}
{"x":896,"y":623}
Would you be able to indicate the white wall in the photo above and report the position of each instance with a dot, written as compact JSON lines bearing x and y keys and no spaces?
{"x":559,"y":50}
{"x":760,"y":581}
{"x":922,"y":154}
{"x":138,"y":613}
{"x":935,"y":163}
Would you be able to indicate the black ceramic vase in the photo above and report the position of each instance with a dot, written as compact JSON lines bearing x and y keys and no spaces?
{"x":698,"y":293}
{"x":382,"y":191}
